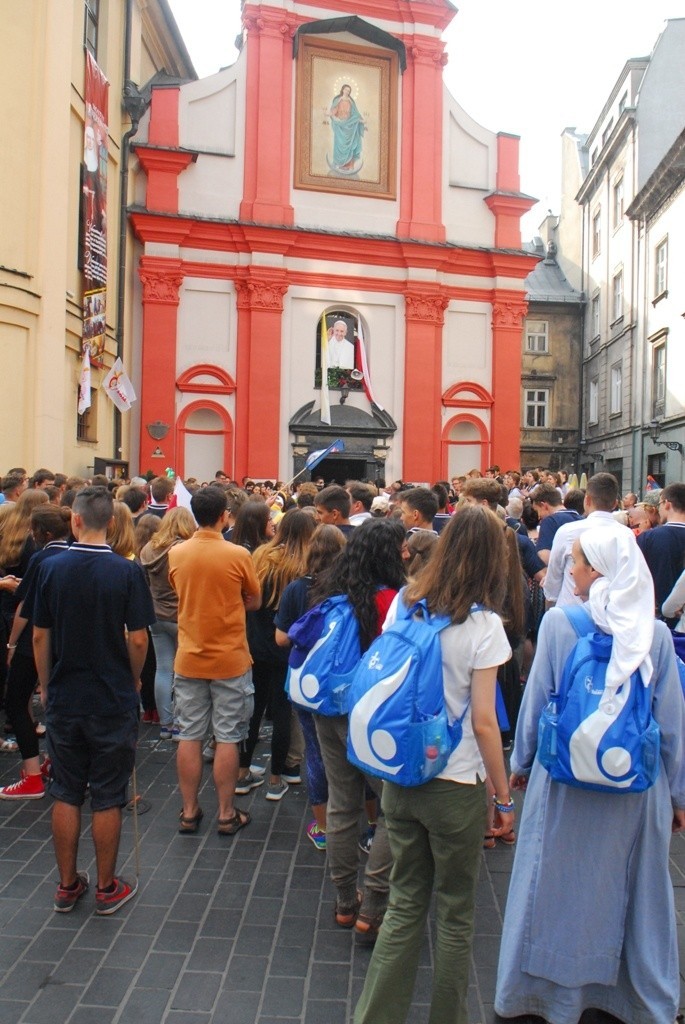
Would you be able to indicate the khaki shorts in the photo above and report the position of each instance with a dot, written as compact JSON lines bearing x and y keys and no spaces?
{"x":222,"y":707}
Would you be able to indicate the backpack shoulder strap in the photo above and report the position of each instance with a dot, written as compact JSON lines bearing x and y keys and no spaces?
{"x":579,"y":619}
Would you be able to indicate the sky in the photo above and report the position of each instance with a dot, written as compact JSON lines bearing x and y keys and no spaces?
{"x":528,"y":67}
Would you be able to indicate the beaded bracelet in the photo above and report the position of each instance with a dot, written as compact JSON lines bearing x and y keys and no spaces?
{"x":503,"y":808}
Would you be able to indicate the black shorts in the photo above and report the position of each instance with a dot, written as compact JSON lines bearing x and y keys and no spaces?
{"x":92,"y":751}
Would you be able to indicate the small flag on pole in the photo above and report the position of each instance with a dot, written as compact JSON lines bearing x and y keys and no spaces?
{"x":84,"y":382}
{"x":315,"y":458}
{"x":325,"y":397}
{"x":119,"y":388}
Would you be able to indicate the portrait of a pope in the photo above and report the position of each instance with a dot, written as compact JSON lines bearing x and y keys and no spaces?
{"x":348,"y":131}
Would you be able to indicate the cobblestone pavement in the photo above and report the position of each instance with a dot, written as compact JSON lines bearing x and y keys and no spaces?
{"x":227,"y":931}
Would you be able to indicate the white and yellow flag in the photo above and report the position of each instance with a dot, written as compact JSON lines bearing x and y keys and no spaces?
{"x":84,"y":383}
{"x":118,"y":386}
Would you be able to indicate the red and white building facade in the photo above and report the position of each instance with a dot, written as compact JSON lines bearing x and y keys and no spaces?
{"x":239,"y":260}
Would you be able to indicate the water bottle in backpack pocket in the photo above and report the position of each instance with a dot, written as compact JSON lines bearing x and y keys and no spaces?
{"x":614,"y":748}
{"x":399,"y":728}
{"x":324,"y":655}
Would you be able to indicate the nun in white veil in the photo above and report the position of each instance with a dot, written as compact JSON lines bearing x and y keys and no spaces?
{"x":590,"y":919}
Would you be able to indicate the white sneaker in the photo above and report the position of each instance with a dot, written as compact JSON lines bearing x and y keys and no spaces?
{"x":276,"y":790}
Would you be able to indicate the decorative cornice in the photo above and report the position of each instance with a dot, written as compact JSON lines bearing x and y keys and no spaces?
{"x":258,"y":292}
{"x":426,"y":307}
{"x":429,"y":52}
{"x":274,"y":23}
{"x":161,"y":279}
{"x":508,"y":314}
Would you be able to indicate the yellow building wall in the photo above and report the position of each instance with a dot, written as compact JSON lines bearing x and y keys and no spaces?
{"x":42,"y":78}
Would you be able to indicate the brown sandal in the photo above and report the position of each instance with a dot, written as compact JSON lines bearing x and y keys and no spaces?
{"x":189,"y":826}
{"x":229,"y":826}
{"x":347,"y":917}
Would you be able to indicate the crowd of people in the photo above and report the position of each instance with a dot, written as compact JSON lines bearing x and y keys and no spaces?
{"x":137,"y":600}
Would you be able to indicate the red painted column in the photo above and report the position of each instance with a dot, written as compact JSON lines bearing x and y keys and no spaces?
{"x":268,"y":116}
{"x":163,"y":167}
{"x":508,"y":203}
{"x":421,"y":150}
{"x":508,"y":311}
{"x":161,"y":279}
{"x":424,"y":320}
{"x":260,"y":292}
{"x":163,"y":130}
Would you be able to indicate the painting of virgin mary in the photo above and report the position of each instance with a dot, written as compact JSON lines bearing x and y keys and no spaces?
{"x":348,"y":132}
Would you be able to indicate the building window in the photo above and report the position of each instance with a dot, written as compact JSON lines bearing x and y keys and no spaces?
{"x":618,"y":202}
{"x":87,"y":423}
{"x":616,"y":401}
{"x":537,"y":335}
{"x":607,"y":132}
{"x":617,"y":296}
{"x":595,"y":310}
{"x":90,"y":32}
{"x":659,"y":379}
{"x":596,"y":232}
{"x":593,"y":409}
{"x":623,"y":103}
{"x":660,"y":268}
{"x":656,"y":467}
{"x":537,"y":407}
{"x":593,"y":158}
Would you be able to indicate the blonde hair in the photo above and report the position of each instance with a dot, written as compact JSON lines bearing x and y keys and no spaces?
{"x":177,"y":524}
{"x":121,"y":536}
{"x":15,"y":526}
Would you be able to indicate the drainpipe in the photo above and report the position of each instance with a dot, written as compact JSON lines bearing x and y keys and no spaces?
{"x":134,"y":105}
{"x":581,"y":382}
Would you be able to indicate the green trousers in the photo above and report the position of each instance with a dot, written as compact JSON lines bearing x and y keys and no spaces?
{"x":436,"y":837}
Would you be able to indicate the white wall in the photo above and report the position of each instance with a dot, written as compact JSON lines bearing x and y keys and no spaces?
{"x":469,"y":171}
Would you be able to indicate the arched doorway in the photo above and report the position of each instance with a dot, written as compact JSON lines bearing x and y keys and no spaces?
{"x":466,"y":446}
{"x":204,"y":441}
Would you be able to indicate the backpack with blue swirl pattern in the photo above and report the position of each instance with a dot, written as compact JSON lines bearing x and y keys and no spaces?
{"x":399,"y":728}
{"x":324,"y":654}
{"x":611,"y":749}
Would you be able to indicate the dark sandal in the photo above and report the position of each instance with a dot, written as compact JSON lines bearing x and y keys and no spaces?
{"x":229,"y":826}
{"x":347,"y":917}
{"x":508,"y":839}
{"x":189,"y":826}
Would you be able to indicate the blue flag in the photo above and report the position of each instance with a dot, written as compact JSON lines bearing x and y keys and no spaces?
{"x":314,"y":458}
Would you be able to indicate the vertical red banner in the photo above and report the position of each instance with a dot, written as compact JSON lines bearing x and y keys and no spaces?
{"x":95,"y":211}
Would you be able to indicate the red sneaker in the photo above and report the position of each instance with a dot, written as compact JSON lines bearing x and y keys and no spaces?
{"x":110,"y":902}
{"x":66,"y":899}
{"x":46,"y":769}
{"x":29,"y":787}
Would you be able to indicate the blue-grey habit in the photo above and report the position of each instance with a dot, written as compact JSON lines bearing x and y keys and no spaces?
{"x":590,"y":918}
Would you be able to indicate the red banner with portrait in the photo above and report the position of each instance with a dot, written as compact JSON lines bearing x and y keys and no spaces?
{"x":95,"y":211}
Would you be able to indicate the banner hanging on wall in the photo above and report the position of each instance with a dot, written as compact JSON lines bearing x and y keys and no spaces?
{"x":94,"y":240}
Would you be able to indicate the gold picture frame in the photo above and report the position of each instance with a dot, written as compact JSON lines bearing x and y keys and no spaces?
{"x":346,"y":119}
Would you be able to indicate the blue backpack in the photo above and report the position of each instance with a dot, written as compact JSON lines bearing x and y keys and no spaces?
{"x":398,"y":728}
{"x":324,"y":654}
{"x":615,"y":751}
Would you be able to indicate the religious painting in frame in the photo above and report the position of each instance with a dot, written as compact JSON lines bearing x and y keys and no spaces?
{"x":346,"y":119}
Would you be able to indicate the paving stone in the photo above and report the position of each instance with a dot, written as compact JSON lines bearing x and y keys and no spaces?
{"x":196,"y":991}
{"x":246,"y":973}
{"x":222,"y":932}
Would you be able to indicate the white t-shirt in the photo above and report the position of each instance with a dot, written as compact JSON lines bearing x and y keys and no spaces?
{"x":559,"y":585}
{"x":479,"y":642}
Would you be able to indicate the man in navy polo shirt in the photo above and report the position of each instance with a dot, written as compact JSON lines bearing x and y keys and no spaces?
{"x":548,"y":503}
{"x":664,"y":547}
{"x":91,"y":612}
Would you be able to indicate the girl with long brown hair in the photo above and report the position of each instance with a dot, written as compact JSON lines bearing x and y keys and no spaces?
{"x":277,"y":563}
{"x":436,"y":830}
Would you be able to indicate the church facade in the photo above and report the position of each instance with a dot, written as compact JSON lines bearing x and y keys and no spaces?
{"x":329,"y":248}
